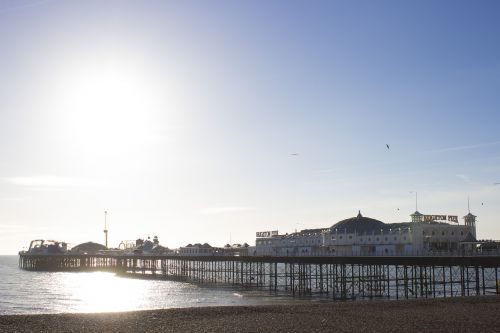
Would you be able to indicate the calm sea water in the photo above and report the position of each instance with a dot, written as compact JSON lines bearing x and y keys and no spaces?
{"x":25,"y":292}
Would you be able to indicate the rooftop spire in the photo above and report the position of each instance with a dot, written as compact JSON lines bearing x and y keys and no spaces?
{"x":359,"y":214}
{"x":416,"y":200}
{"x":105,"y":228}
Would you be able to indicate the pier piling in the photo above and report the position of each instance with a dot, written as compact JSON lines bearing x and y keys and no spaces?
{"x":333,"y":277}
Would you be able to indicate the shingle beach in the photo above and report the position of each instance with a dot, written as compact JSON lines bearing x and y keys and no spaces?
{"x":470,"y":314}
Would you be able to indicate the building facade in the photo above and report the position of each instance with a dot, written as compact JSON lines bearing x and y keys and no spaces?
{"x":364,"y":236}
{"x":197,"y":250}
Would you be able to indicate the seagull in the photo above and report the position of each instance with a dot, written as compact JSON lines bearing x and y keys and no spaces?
{"x":387,"y":146}
{"x":482,"y":203}
{"x":295,"y":154}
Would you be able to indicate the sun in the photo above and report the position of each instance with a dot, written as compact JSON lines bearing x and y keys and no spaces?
{"x":108,"y":108}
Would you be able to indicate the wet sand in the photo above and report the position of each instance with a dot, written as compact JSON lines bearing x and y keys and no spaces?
{"x":470,"y":314}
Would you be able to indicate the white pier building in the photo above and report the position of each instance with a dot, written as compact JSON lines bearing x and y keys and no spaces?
{"x":364,"y":236}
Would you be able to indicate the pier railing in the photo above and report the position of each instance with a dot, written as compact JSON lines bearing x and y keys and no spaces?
{"x":329,"y":277}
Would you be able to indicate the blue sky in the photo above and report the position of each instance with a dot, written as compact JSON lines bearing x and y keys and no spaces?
{"x":180,"y":118}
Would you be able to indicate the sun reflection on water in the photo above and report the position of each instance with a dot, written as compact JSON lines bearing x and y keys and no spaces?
{"x":103,"y":292}
{"x":30,"y":292}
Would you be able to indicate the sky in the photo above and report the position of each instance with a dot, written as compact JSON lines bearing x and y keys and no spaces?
{"x":207,"y":121}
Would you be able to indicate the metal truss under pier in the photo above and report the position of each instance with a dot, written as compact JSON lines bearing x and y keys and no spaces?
{"x":328,"y":277}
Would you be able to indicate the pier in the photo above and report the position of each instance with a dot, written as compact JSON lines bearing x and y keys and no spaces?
{"x":329,"y":277}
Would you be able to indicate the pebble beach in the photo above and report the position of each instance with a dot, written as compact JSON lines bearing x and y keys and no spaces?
{"x":460,"y":314}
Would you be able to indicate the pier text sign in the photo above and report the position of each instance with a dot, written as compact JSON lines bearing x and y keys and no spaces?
{"x":266,"y":233}
{"x":450,"y":218}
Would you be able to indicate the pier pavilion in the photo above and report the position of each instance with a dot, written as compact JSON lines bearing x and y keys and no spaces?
{"x":364,"y":236}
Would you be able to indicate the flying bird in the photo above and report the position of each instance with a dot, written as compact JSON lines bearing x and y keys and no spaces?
{"x":294,"y":154}
{"x":496,"y":183}
{"x":387,"y":146}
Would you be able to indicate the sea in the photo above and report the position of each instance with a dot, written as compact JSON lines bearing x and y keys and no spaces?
{"x":28,"y":292}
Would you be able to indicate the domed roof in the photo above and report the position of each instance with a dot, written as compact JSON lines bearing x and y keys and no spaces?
{"x":89,"y":247}
{"x":359,"y":224}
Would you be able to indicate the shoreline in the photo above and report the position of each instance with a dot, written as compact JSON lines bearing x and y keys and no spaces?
{"x":479,"y":314}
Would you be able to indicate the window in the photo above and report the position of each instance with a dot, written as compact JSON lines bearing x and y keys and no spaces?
{"x":395,"y":238}
{"x":433,"y":233}
{"x":340,"y":237}
{"x":453,"y":233}
{"x":350,"y":237}
{"x":461,"y":233}
{"x":378,"y":239}
{"x":386,"y":239}
{"x":442,"y":233}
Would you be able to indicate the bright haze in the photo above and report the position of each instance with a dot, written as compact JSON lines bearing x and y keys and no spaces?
{"x":207,"y":121}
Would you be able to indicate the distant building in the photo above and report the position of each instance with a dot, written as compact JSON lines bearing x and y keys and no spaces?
{"x":303,"y":243}
{"x":235,"y":249}
{"x":364,"y":236}
{"x":208,"y":250}
{"x":144,"y":246}
{"x":197,"y":250}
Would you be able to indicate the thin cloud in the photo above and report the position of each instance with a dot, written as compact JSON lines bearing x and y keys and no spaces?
{"x":465,"y":178}
{"x":466,"y":147}
{"x":50,"y":182}
{"x":227,"y":209}
{"x":24,"y":6}
{"x":13,"y":199}
{"x":16,"y":228}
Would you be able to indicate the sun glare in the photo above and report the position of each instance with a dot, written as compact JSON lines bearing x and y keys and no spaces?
{"x":109,"y":108}
{"x":103,"y":292}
